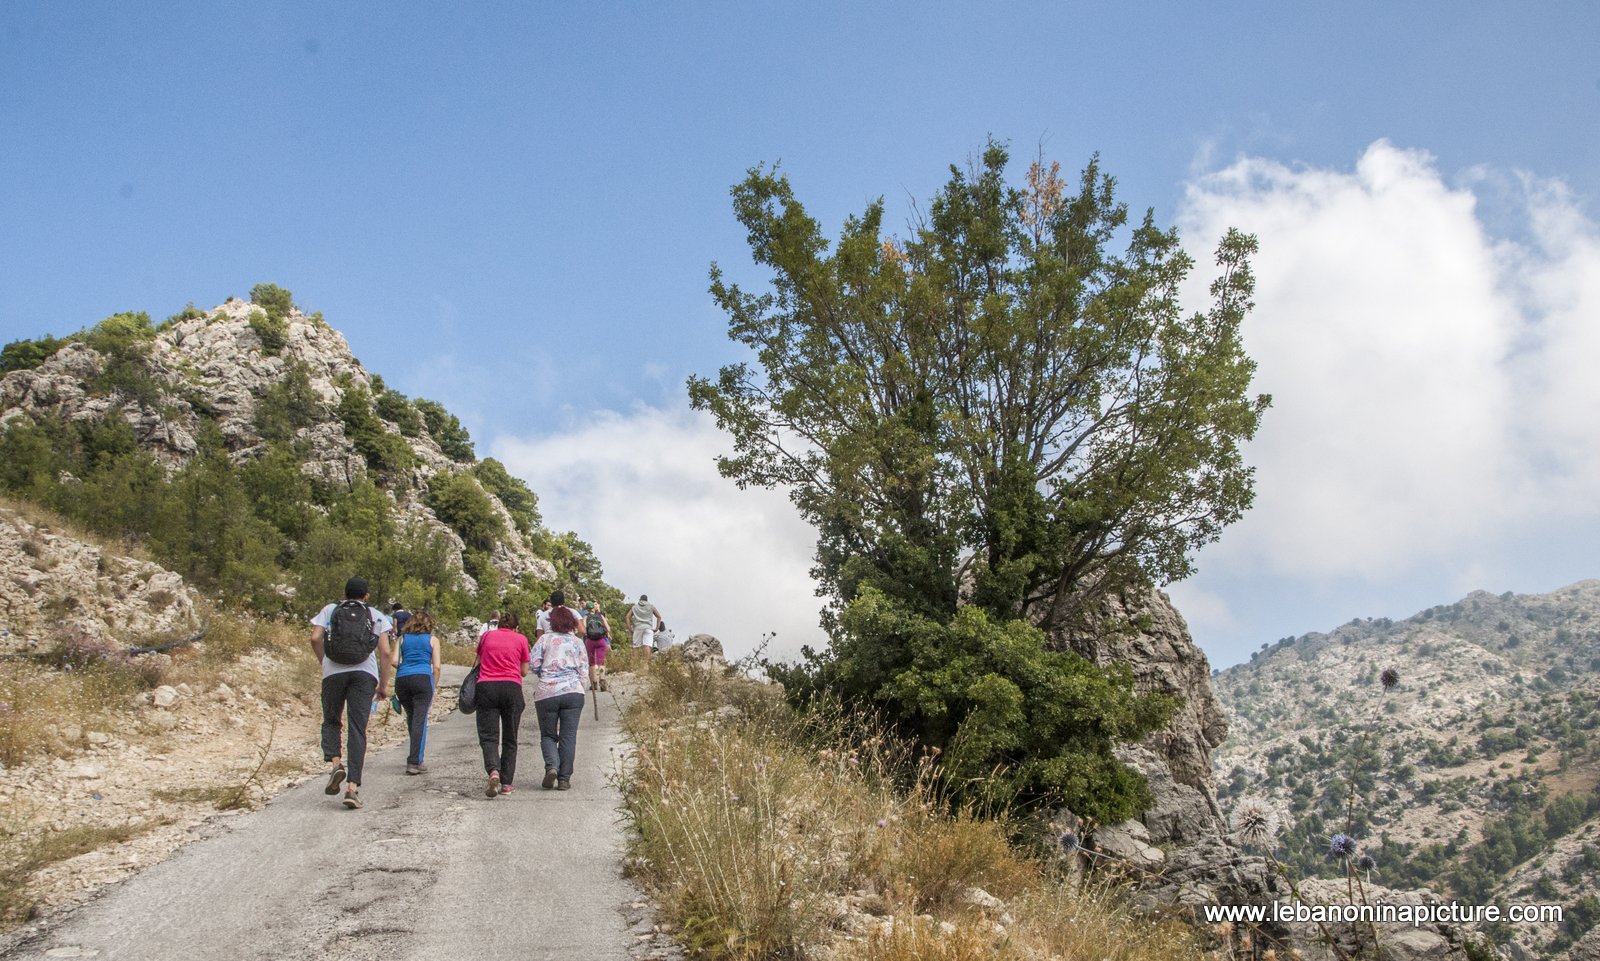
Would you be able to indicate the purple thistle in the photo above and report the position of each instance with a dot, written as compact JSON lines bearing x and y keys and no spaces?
{"x":1342,"y":846}
{"x":1390,"y":679}
{"x":1366,"y":862}
{"x":1069,"y":841}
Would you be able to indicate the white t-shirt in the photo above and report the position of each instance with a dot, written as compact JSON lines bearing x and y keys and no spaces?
{"x":380,"y":623}
{"x":664,"y":639}
{"x":542,"y":622}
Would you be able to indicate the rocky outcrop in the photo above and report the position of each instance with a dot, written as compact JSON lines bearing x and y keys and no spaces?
{"x":212,"y":367}
{"x":703,"y":649}
{"x":54,"y":586}
{"x":1176,"y":760}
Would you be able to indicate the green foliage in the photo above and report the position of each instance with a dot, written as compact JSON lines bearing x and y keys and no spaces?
{"x":274,"y":334}
{"x":28,"y":354}
{"x":288,"y":405}
{"x":999,"y":396}
{"x":273,"y":299}
{"x":124,"y":341}
{"x":446,"y":431}
{"x":519,"y":500}
{"x":578,"y":570}
{"x":387,"y":455}
{"x":393,"y":407}
{"x":458,"y":500}
{"x":1018,"y":723}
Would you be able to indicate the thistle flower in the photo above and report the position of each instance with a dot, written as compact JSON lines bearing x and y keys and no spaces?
{"x":1366,"y":863}
{"x":1342,"y":846}
{"x":1390,"y":679}
{"x":1069,"y":841}
{"x":1255,"y":824}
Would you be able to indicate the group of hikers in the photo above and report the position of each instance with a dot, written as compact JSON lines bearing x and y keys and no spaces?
{"x":360,"y":647}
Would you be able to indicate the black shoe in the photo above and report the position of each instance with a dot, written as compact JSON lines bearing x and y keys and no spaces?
{"x":549,"y":778}
{"x":563,"y":785}
{"x":335,"y":778}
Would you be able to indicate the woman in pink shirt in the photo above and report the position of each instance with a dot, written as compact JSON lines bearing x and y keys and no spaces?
{"x":502,"y":664}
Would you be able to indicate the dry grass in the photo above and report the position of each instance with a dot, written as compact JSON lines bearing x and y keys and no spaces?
{"x":762,"y":833}
{"x":49,"y":707}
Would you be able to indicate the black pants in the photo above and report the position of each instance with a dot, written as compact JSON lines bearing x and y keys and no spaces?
{"x":415,"y":692}
{"x":500,"y":705}
{"x":558,"y":730}
{"x":347,"y":693}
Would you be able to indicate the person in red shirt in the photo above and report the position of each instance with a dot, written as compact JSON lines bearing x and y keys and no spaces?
{"x":502,"y":664}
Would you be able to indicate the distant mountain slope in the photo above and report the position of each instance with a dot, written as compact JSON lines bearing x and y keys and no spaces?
{"x":1476,"y":773}
{"x":257,"y":457}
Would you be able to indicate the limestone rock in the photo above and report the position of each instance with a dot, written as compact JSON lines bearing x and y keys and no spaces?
{"x":164,"y":696}
{"x":703,"y":649}
{"x":1128,"y":842}
{"x":55,"y":585}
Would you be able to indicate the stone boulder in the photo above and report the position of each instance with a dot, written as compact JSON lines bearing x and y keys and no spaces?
{"x":703,"y":649}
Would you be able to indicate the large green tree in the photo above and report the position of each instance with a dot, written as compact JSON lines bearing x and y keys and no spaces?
{"x":997,"y":412}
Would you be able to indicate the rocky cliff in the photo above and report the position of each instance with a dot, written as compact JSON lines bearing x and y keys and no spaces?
{"x":217,"y":368}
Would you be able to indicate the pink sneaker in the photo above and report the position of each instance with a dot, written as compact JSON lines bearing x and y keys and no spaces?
{"x":505,"y":789}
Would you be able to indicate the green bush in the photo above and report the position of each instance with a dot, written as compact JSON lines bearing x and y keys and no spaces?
{"x":274,"y":334}
{"x":459,"y":501}
{"x":387,"y":455}
{"x":276,"y":301}
{"x":28,"y":354}
{"x":446,"y":431}
{"x":519,"y":500}
{"x":1018,"y":724}
{"x":393,"y":407}
{"x":289,"y":404}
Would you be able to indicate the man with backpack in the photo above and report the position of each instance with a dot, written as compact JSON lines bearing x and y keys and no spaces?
{"x":351,"y":638}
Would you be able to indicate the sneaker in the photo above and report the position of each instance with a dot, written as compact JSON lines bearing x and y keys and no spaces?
{"x":506,"y":789}
{"x":563,"y":785}
{"x":493,"y":790}
{"x":352,"y":797}
{"x":415,"y":769}
{"x":335,"y":778}
{"x":549,"y":778}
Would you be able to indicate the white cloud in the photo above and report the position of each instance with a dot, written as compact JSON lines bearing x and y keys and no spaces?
{"x":642,"y":487}
{"x":1434,"y":385}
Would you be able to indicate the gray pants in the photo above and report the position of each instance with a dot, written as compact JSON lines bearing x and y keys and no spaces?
{"x":347,"y":693}
{"x":558,"y":730}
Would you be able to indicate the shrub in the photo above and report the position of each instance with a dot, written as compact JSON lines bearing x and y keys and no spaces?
{"x":446,"y":431}
{"x":28,"y":354}
{"x":393,"y":407}
{"x":274,"y":300}
{"x":459,"y":501}
{"x":273,"y":334}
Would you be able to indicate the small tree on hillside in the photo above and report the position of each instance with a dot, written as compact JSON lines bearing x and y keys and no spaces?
{"x":998,"y":413}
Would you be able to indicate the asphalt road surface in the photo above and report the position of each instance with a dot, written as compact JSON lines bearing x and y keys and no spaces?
{"x":429,"y":869}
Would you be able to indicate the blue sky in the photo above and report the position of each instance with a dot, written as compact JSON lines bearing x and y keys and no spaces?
{"x":512,"y":208}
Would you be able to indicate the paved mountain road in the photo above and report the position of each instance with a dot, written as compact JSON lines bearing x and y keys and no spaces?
{"x":429,"y":869}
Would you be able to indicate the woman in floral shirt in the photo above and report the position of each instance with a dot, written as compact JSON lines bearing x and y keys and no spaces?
{"x":562,"y":663}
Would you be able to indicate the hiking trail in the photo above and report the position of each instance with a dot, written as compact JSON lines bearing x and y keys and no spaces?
{"x":429,"y":869}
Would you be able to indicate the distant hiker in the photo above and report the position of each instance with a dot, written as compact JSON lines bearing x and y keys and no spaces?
{"x":416,"y":662}
{"x":351,"y":638}
{"x":563,"y":668}
{"x":558,"y":599}
{"x":663,"y":638}
{"x":502,"y":664}
{"x":596,"y":641}
{"x":399,"y":615}
{"x":642,"y":617}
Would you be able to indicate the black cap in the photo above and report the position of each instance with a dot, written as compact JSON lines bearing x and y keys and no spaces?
{"x":355,"y":588}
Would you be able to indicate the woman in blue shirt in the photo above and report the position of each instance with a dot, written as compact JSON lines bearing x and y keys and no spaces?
{"x":416,"y":661}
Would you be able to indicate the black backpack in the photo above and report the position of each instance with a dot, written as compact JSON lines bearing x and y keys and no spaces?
{"x":351,"y":639}
{"x":595,"y":626}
